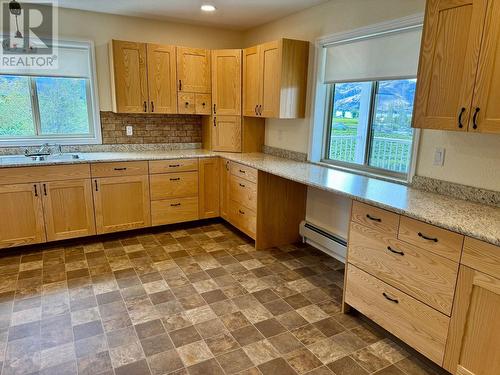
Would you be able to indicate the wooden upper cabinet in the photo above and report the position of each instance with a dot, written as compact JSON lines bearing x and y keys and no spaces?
{"x":449,"y":57}
{"x":193,"y":70}
{"x":226,"y":82}
{"x":68,"y":209}
{"x":487,"y":90}
{"x":21,"y":221}
{"x":129,"y":83}
{"x":226,"y":133}
{"x":162,"y":78}
{"x":275,"y":79}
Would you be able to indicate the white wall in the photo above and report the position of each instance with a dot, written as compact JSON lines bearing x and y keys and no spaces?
{"x":470,"y":159}
{"x":101,"y":28}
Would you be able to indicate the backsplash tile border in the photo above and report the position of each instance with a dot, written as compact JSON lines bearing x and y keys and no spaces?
{"x":283,"y":153}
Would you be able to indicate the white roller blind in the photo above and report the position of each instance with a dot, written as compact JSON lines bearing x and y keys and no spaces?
{"x":386,"y":56}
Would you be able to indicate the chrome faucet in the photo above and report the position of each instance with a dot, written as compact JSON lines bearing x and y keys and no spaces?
{"x":44,"y":150}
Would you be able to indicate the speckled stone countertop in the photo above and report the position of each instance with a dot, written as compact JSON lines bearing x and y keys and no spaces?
{"x":472,"y":219}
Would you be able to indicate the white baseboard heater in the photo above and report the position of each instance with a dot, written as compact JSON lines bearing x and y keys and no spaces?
{"x":324,"y":240}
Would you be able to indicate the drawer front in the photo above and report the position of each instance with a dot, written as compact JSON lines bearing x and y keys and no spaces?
{"x":203,"y":104}
{"x":376,"y":218}
{"x":174,"y":185}
{"x":428,"y":277}
{"x":436,"y":240}
{"x":175,"y":165}
{"x":244,"y":192}
{"x":242,"y":171}
{"x":185,"y":103}
{"x":128,"y":168}
{"x":243,"y":218}
{"x":169,"y":211}
{"x":481,"y":256}
{"x":419,"y":325}
{"x":47,"y":173}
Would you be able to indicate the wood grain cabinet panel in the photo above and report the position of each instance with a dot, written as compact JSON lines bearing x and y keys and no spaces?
{"x":129,"y":77}
{"x":203,"y":104}
{"x":209,"y":184}
{"x":226,"y":82}
{"x":244,"y":172}
{"x":21,"y":221}
{"x":244,"y":192}
{"x":449,"y":55}
{"x":174,"y":185}
{"x":116,"y":169}
{"x":251,"y":81}
{"x":68,"y":209}
{"x":225,"y":180}
{"x":193,"y":70}
{"x":186,"y":103}
{"x":121,"y":203}
{"x":375,"y":218}
{"x":174,"y":165}
{"x":175,"y":210}
{"x":162,"y":78}
{"x":226,"y":133}
{"x":243,"y":218}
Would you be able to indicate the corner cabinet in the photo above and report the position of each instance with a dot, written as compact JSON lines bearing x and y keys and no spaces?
{"x":143,"y":77}
{"x":458,"y":82}
{"x":275,"y":79}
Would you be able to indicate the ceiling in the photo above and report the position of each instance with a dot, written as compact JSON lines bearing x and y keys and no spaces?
{"x":231,"y":14}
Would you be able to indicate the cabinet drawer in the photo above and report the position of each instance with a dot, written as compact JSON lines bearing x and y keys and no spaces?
{"x":417,"y":324}
{"x":481,"y":256}
{"x":247,"y":173}
{"x":428,"y":277}
{"x":243,"y":192}
{"x":376,"y":218}
{"x":129,"y":168}
{"x":176,"y":210}
{"x":175,"y":165}
{"x":437,"y":240}
{"x":185,"y":103}
{"x":243,"y":218}
{"x":174,"y":185}
{"x":46,"y":173}
{"x":203,"y":104}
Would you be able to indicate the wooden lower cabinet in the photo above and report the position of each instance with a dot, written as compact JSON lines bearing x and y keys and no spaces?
{"x":176,"y":210}
{"x":68,"y":209}
{"x":208,"y":190}
{"x":21,"y":219}
{"x":121,"y":203}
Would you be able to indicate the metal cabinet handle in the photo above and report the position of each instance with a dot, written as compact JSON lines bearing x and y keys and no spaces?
{"x":174,"y":165}
{"x":373,"y":218}
{"x":389,"y":298}
{"x":203,"y":104}
{"x":395,"y":251}
{"x":175,"y":204}
{"x":256,"y":107}
{"x":145,"y":106}
{"x":260,"y":109}
{"x":152,"y":106}
{"x":241,"y":212}
{"x":44,"y":189}
{"x":214,"y":110}
{"x":460,"y":125}
{"x":242,"y":171}
{"x":175,"y":179}
{"x":36,"y":190}
{"x":242,"y":185}
{"x":420,"y":234}
{"x":215,"y":121}
{"x":227,"y":165}
{"x":186,"y":104}
{"x":474,"y":118}
{"x":180,"y":85}
{"x":96,"y":187}
{"x":120,"y":169}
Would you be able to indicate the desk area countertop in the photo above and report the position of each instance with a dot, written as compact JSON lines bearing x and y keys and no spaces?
{"x":471,"y":219}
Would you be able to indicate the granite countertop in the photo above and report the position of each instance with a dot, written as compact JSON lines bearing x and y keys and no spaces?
{"x":472,"y":219}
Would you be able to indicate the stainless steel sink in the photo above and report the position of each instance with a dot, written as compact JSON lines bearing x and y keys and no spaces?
{"x":35,"y":159}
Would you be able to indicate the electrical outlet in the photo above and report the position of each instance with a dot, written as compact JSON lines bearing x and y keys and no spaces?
{"x":130,"y":130}
{"x":439,"y":153}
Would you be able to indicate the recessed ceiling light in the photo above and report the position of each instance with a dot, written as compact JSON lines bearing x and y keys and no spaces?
{"x":208,"y":8}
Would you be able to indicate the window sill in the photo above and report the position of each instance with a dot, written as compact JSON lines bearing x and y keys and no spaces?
{"x":19,"y":142}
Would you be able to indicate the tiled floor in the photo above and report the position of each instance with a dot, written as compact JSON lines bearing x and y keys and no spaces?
{"x":198,"y":300}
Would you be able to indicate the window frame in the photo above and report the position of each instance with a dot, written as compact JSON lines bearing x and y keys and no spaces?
{"x":365,"y":167}
{"x":321,"y":96}
{"x":94,"y":136}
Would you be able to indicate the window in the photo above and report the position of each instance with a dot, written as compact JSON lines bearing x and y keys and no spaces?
{"x":364,"y":99}
{"x":371,"y":124}
{"x":52,"y":105}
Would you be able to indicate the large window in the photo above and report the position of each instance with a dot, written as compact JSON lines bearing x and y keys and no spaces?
{"x":365,"y":99}
{"x":57,"y":106}
{"x":370,"y":124}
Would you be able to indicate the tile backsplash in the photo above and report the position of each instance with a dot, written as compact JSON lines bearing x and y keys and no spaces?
{"x":148,"y":129}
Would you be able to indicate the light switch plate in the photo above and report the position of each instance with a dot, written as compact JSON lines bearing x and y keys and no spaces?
{"x":439,"y":153}
{"x":130,"y":130}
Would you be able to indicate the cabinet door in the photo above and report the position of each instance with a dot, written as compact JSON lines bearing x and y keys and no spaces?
{"x":130,"y":83}
{"x":224,"y":188}
{"x":270,"y":67}
{"x":68,"y":209}
{"x":162,"y":79}
{"x":121,"y":203}
{"x":487,"y":90}
{"x":226,"y":134}
{"x":209,"y":188}
{"x":193,"y":70}
{"x":226,"y":82}
{"x":474,"y":336}
{"x":21,"y":219}
{"x":448,"y":63}
{"x":251,"y":81}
